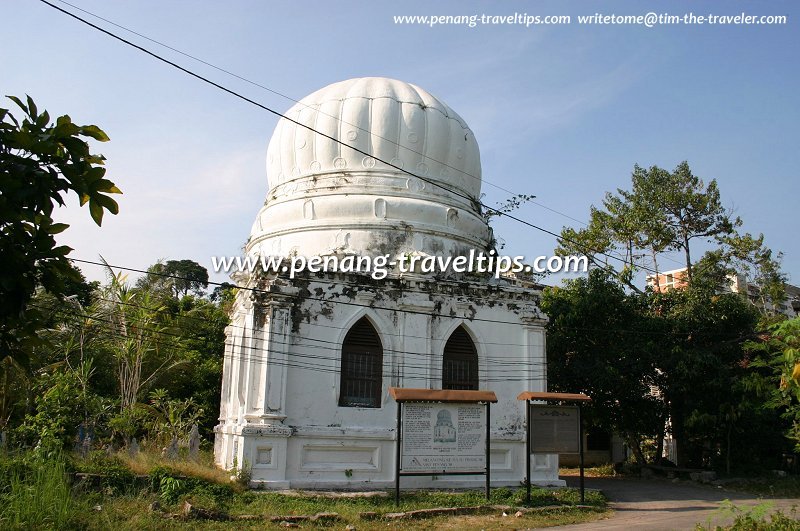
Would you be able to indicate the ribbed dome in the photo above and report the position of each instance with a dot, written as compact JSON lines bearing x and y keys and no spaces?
{"x":390,"y":120}
{"x":328,"y":198}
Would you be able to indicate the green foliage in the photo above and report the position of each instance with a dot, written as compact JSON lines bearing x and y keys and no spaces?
{"x":100,"y":362}
{"x":37,"y":497}
{"x":172,"y":487}
{"x":777,"y":360}
{"x":60,"y":407}
{"x":759,"y":517}
{"x":40,"y":164}
{"x":646,"y":358}
{"x":139,"y":338}
{"x":244,"y":473}
{"x":171,"y":417}
{"x":748,"y":257}
{"x":689,"y":208}
{"x":700,"y":364}
{"x":684,"y":344}
{"x":13,"y":465}
{"x":12,"y":389}
{"x":202,"y":325}
{"x":506,"y":207}
{"x":663,"y":211}
{"x":223,"y":294}
{"x":115,"y":479}
{"x":601,"y":341}
{"x":176,"y":277}
{"x":129,"y":422}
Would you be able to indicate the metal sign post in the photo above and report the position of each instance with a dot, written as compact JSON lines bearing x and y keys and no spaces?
{"x":560,"y":430}
{"x":580,"y":437}
{"x":527,"y":453}
{"x":435,"y":447}
{"x":397,"y":454}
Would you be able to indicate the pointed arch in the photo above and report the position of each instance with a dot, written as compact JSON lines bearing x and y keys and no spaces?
{"x":460,"y":362}
{"x":361,"y":371}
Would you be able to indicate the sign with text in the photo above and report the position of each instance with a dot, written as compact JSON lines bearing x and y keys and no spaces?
{"x":554,"y":429}
{"x":443,"y":437}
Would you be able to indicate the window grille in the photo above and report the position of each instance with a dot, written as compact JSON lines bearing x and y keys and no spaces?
{"x":460,"y":363}
{"x":362,"y":367}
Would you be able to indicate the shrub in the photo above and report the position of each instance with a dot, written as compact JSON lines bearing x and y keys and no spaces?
{"x":37,"y":496}
{"x":114,"y":477}
{"x":756,"y":518}
{"x":61,"y":406}
{"x":172,"y":487}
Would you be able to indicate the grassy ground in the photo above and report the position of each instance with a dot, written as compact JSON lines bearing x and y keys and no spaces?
{"x":131,"y":512}
{"x":203,"y":468}
{"x":148,"y":492}
{"x":786,"y":487}
{"x":599,"y":471}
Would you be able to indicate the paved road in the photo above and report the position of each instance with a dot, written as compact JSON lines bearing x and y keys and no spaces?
{"x":661,"y":504}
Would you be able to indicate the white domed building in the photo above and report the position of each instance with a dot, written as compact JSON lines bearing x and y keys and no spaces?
{"x":383,"y":168}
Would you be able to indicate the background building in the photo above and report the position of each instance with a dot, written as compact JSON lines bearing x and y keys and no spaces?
{"x":737,"y":283}
{"x":309,"y":360}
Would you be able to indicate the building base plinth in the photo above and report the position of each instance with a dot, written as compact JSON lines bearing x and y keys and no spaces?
{"x":281,"y":457}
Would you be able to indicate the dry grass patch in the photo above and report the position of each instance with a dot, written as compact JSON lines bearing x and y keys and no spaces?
{"x":599,"y":471}
{"x":204,"y":469}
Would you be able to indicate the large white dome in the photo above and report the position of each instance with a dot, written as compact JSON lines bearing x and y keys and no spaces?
{"x":390,"y":120}
{"x":331,"y":197}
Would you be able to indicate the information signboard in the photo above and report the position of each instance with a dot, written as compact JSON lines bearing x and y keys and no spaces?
{"x":554,"y":429}
{"x":443,"y":437}
{"x":442,"y":432}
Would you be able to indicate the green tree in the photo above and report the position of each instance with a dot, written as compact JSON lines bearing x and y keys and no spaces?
{"x":172,"y":418}
{"x":777,"y":379}
{"x":699,"y":365}
{"x":600,"y":341}
{"x":141,"y":343}
{"x":40,"y":164}
{"x":693,"y":210}
{"x":201,"y":324}
{"x":700,"y":358}
{"x":646,"y":359}
{"x":224,"y":293}
{"x":178,"y":277}
{"x":61,"y":404}
{"x":749,"y":257}
{"x":643,"y":205}
{"x":662,"y":211}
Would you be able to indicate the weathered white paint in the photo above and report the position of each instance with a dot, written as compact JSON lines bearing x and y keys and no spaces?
{"x":279,"y":412}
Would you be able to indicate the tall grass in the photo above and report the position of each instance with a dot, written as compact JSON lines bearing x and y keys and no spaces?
{"x":37,"y":498}
{"x":204,"y":468}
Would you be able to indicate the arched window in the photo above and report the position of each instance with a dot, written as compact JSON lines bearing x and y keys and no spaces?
{"x":460,"y":363}
{"x":362,"y":367}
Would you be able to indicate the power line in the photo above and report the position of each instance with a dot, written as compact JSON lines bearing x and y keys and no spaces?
{"x":262,"y":355}
{"x":360,"y":305}
{"x":305,"y":297}
{"x":299,"y":102}
{"x":238,"y":327}
{"x":457,"y":193}
{"x":244,"y":342}
{"x":282,"y":95}
{"x":573,"y":328}
{"x":344,"y":282}
{"x":243,"y":336}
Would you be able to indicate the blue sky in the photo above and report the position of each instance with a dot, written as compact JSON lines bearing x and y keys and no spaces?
{"x":561,"y":112}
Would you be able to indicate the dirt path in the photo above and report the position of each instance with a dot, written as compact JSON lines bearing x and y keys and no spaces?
{"x":661,"y":504}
